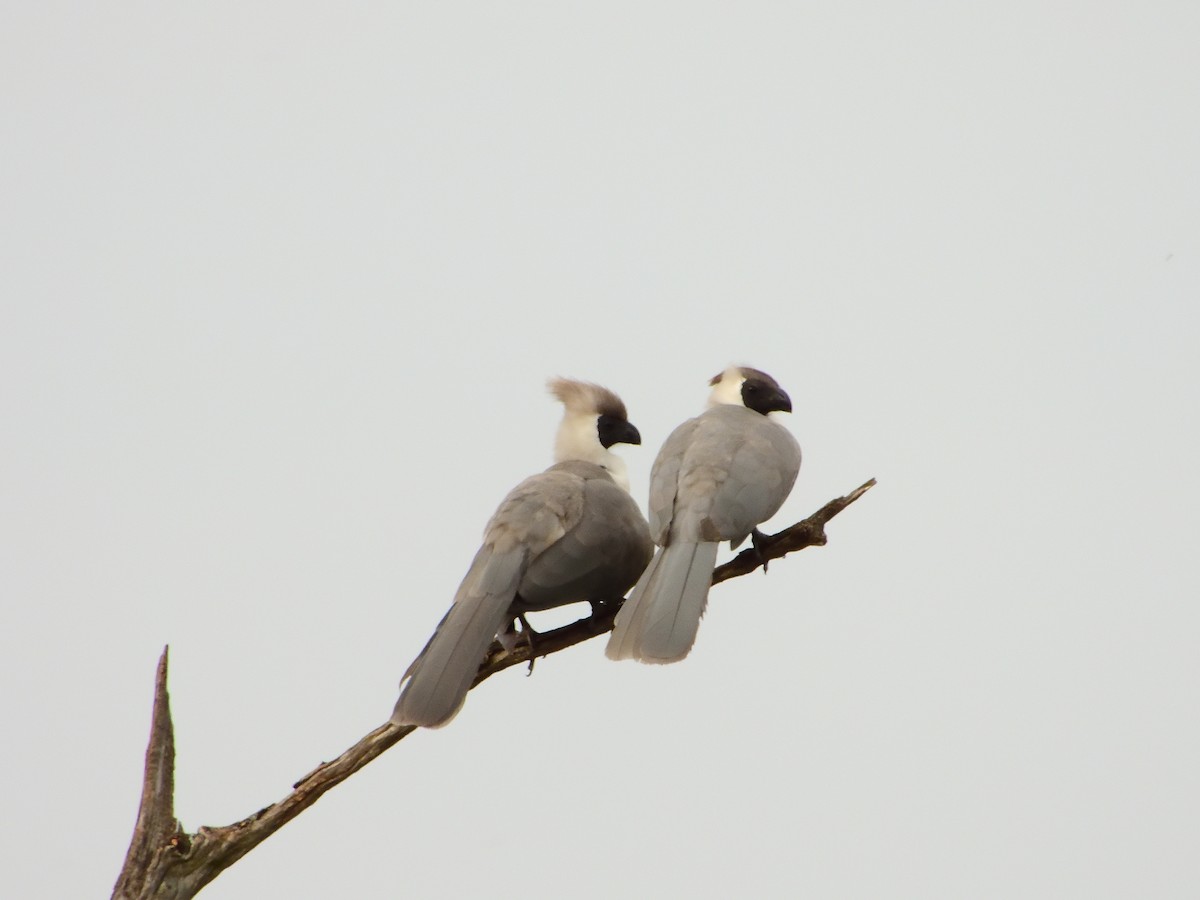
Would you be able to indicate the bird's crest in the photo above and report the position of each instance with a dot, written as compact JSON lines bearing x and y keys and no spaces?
{"x":583,"y":398}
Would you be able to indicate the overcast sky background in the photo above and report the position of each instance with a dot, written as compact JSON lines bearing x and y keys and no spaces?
{"x":281,"y":287}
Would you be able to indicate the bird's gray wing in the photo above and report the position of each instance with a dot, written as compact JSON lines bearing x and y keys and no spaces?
{"x":436,"y":684}
{"x":762,"y":463}
{"x":702,"y":469}
{"x":534,"y":515}
{"x":538,"y":511}
{"x":600,"y":555}
{"x":665,"y":478}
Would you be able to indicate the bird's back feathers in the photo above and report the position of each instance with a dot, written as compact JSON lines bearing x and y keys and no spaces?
{"x":564,"y":535}
{"x":715,"y":479}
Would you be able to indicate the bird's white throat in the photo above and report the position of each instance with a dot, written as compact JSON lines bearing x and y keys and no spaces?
{"x":578,"y":439}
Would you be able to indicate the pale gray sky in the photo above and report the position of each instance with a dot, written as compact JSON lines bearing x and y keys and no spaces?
{"x":282,"y":284}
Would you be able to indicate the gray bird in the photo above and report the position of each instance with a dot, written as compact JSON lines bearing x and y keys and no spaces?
{"x":715,"y":479}
{"x":568,"y":534}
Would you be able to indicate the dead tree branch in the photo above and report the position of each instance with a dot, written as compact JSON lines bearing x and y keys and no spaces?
{"x":156,"y":831}
{"x":166,"y":863}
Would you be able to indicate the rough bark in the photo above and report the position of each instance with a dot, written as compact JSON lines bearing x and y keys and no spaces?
{"x":166,"y":863}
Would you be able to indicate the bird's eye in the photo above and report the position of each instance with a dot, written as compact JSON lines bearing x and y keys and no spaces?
{"x":752,"y":387}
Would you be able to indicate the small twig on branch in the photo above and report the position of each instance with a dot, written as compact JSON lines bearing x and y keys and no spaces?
{"x":164,"y":863}
{"x":809,"y":533}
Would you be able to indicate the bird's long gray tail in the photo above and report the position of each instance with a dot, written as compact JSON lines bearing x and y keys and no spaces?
{"x":658,"y":622}
{"x":436,"y":684}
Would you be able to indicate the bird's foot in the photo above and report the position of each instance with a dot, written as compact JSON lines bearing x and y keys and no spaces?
{"x":528,"y":635}
{"x":600,"y":608}
{"x":760,"y":542}
{"x":600,"y":619}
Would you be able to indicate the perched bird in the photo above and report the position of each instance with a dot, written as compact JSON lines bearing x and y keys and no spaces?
{"x":715,"y":479}
{"x":570,"y":533}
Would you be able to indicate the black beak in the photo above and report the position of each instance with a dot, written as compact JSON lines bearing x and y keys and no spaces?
{"x":612,"y":430}
{"x":779,"y":402}
{"x":628,"y":435}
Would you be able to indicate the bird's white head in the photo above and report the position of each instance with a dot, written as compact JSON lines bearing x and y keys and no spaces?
{"x":594,"y":420}
{"x":751,"y":388}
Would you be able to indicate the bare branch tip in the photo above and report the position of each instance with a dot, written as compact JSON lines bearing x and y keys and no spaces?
{"x":861,"y":489}
{"x":160,"y":673}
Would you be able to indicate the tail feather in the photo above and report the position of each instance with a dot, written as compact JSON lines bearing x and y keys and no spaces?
{"x":436,"y":684}
{"x":659,"y":621}
{"x":631,"y":618}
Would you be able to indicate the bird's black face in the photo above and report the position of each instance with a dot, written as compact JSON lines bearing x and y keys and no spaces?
{"x":612,"y":430}
{"x":765,"y":396}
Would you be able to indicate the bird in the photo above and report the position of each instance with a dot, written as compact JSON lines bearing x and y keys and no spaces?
{"x":571,"y":533}
{"x":716,"y":478}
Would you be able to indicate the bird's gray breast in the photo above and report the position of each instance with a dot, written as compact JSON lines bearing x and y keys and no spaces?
{"x":599,"y":555}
